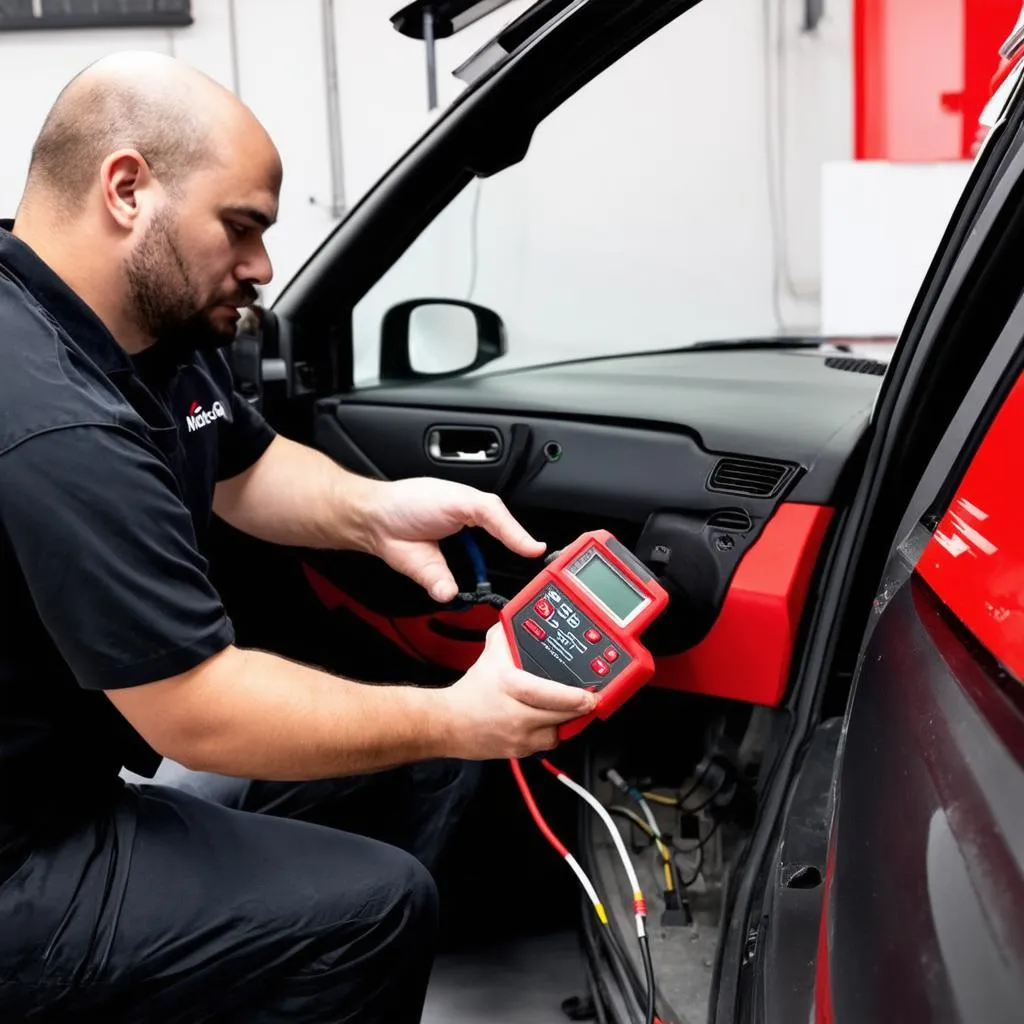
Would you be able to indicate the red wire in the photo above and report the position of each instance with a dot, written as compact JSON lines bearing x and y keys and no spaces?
{"x":550,"y":836}
{"x":550,"y":767}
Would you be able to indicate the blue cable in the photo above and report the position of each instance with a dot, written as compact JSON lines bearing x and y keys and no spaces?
{"x":476,"y":557}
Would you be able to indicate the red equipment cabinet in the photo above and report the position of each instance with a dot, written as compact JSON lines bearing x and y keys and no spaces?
{"x":923,"y":74}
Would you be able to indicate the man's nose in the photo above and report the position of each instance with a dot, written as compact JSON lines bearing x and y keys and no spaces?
{"x":257,"y":269}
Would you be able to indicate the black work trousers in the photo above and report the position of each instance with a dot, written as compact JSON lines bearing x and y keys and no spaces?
{"x":206,"y":899}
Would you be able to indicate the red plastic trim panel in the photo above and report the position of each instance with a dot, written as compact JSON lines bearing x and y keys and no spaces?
{"x":747,"y":654}
{"x":975,"y":559}
{"x":413,"y":634}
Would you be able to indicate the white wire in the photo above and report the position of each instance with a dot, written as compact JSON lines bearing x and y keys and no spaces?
{"x":649,"y":815}
{"x":627,"y":861}
{"x":584,"y":881}
{"x":616,"y":779}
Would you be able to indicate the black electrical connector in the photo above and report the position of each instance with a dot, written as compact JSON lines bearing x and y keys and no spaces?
{"x":677,"y":912}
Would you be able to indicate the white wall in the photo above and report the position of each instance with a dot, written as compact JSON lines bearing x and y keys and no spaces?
{"x":641,"y":216}
{"x":278,"y":51}
{"x":718,"y":97}
{"x":882,"y":225}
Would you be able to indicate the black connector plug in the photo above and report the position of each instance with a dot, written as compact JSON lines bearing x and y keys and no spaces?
{"x":677,"y":913}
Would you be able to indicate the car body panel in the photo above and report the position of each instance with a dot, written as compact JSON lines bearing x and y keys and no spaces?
{"x":924,"y":919}
{"x":975,"y":560}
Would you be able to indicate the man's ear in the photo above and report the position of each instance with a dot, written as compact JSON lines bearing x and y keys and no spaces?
{"x":123,"y":175}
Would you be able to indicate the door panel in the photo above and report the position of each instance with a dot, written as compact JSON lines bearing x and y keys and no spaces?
{"x":739,"y":585}
{"x":924,"y":912}
{"x":927,"y":884}
{"x":621,"y":472}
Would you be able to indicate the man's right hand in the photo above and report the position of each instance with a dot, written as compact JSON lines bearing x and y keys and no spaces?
{"x":500,"y":711}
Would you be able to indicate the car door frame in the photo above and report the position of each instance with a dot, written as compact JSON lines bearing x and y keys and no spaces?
{"x":931,"y":373}
{"x":969,"y":429}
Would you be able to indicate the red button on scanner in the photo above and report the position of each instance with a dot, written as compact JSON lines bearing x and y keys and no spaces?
{"x":600,"y":667}
{"x":611,"y":655}
{"x":592,"y":636}
{"x":534,"y":630}
{"x":543,"y":608}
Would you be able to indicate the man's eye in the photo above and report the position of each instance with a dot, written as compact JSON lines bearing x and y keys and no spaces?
{"x":238,"y":230}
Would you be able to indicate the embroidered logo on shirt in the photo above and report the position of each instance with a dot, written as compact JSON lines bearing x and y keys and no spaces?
{"x":198,"y":417}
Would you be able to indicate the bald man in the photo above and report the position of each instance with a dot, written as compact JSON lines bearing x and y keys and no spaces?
{"x":138,"y":240}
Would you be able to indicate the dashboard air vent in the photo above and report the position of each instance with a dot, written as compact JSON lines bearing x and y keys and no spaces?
{"x":733,"y":519}
{"x":751,"y":478}
{"x":872,"y":366}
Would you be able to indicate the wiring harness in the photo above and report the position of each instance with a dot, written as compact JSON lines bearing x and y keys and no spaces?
{"x":485,"y":595}
{"x":677,"y":906}
{"x":639,"y":900}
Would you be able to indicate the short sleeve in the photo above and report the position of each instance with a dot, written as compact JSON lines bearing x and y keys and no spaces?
{"x":108,"y":551}
{"x":244,"y":435}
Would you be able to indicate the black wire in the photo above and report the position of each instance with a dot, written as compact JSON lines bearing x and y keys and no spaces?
{"x":645,"y":954}
{"x":690,"y":811}
{"x":697,"y":870}
{"x":697,"y":848}
{"x":482,"y":597}
{"x":592,"y":983}
{"x":700,"y":779}
{"x":597,"y":971}
{"x":618,"y":959}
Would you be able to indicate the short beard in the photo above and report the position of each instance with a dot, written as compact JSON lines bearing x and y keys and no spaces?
{"x":164,"y":300}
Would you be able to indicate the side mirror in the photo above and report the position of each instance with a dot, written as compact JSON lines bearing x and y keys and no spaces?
{"x":426,"y":339}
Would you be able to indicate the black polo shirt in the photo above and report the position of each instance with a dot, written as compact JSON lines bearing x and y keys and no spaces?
{"x":107,"y":471}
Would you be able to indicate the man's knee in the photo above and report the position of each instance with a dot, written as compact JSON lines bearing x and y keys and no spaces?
{"x":386,"y":890}
{"x":412,"y":897}
{"x":379,"y":963}
{"x":359,"y":944}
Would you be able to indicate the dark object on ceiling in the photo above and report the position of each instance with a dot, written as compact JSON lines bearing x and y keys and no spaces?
{"x":449,"y":16}
{"x":23,"y":15}
{"x":814,"y":11}
{"x":431,"y":20}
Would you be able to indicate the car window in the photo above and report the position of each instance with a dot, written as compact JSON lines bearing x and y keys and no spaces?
{"x":639,"y":219}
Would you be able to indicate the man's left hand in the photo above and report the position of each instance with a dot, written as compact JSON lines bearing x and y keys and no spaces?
{"x":409,"y":517}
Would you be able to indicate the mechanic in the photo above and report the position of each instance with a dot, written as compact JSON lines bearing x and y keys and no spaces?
{"x":137,"y":240}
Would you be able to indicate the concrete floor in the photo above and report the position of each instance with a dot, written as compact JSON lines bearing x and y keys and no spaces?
{"x":510,"y":983}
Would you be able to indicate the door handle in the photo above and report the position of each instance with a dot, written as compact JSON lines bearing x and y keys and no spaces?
{"x":472,"y":445}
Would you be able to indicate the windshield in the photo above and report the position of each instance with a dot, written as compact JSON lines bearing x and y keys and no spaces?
{"x":661,"y":205}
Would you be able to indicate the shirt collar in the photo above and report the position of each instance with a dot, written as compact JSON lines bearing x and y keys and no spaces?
{"x":63,"y":304}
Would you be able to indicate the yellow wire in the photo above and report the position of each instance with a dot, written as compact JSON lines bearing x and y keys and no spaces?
{"x":666,"y":854}
{"x":658,"y":798}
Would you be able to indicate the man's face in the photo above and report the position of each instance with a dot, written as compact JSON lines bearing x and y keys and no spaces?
{"x":201,"y":256}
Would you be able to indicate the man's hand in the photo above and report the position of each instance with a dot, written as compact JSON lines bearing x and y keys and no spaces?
{"x":499,"y":711}
{"x":409,"y":517}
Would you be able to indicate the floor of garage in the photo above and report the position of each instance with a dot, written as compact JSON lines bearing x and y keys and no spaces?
{"x":507,"y":983}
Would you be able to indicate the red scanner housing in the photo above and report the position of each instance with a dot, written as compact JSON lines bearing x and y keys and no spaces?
{"x":579,"y":622}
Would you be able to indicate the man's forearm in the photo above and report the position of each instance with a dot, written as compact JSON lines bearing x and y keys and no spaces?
{"x":295,"y":495}
{"x":255,"y":715}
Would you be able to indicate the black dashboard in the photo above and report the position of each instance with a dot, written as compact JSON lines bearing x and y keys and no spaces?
{"x":687,"y":455}
{"x":794,"y":406}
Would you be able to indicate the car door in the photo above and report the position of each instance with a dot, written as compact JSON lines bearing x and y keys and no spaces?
{"x":721,"y":466}
{"x":913,"y":673}
{"x":924,"y":916}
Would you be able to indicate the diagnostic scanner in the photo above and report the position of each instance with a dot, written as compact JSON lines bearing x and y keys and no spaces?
{"x":579,"y":622}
